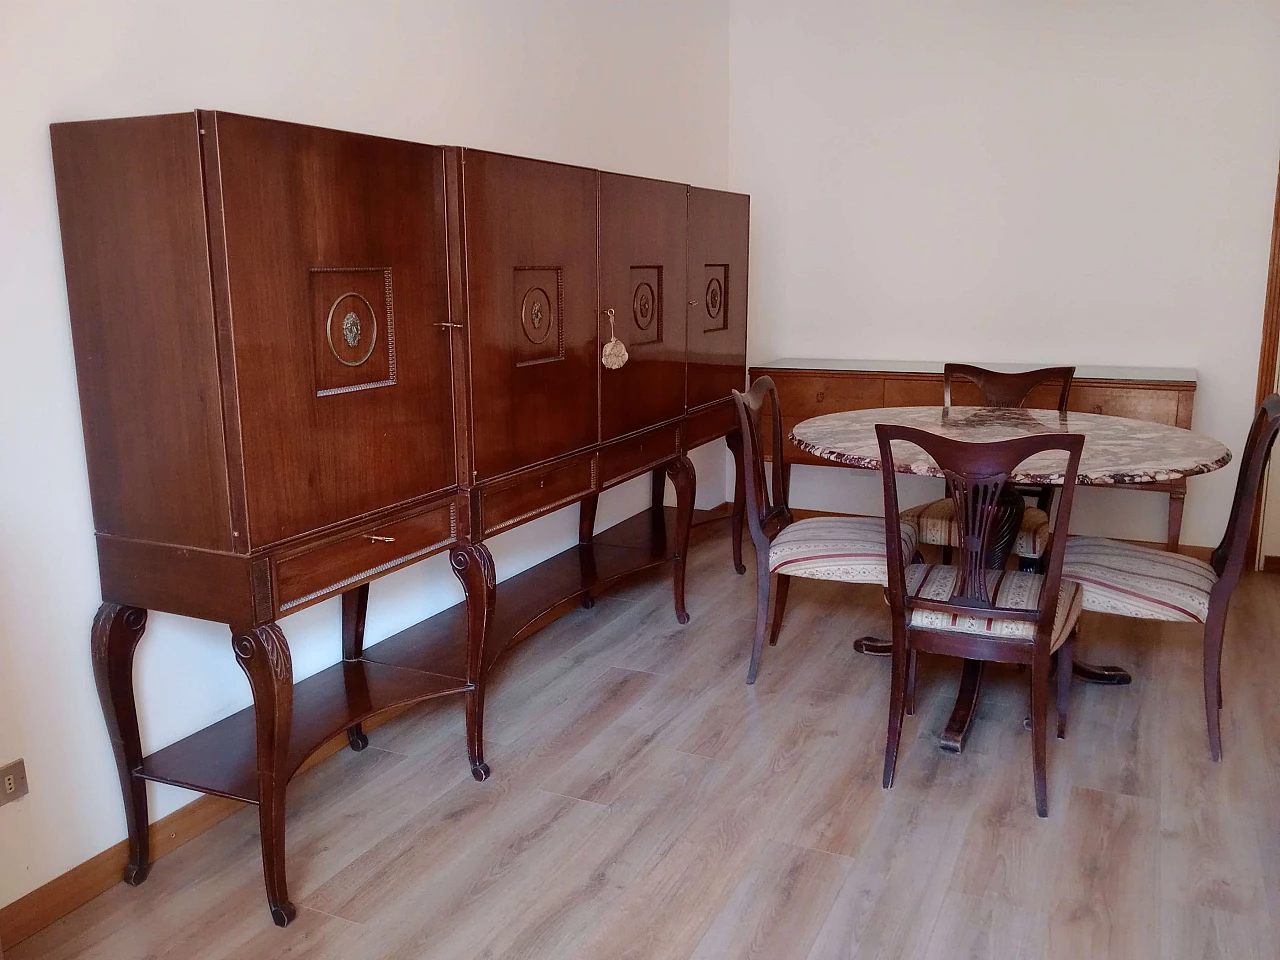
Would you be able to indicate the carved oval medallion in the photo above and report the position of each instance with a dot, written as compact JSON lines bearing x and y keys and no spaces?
{"x":644,"y":306}
{"x":715,"y":298}
{"x":356,"y":335}
{"x":536,"y":317}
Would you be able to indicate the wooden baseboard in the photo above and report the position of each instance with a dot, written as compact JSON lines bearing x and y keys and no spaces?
{"x":1271,"y":564}
{"x":63,"y":894}
{"x":1200,"y":553}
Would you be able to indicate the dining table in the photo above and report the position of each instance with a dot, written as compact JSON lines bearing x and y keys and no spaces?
{"x":1117,"y":450}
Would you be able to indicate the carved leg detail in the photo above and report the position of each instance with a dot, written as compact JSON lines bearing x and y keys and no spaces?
{"x":355,"y":607}
{"x":473,"y":566}
{"x":682,"y":476}
{"x":263,"y":655}
{"x":762,"y":616}
{"x":116,"y":632}
{"x":734,"y":442}
{"x":1213,"y":630}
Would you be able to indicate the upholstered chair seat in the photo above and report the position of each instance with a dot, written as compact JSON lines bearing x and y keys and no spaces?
{"x":1131,"y":581}
{"x":936,"y":523}
{"x":851,"y":549}
{"x":1010,"y":589}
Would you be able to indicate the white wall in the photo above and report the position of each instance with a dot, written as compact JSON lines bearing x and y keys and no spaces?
{"x":635,"y":87}
{"x":1085,"y":182}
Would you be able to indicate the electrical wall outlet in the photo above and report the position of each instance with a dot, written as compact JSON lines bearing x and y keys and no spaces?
{"x":13,"y":782}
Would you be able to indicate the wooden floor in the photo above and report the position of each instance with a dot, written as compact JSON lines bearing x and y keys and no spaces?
{"x":646,"y":804}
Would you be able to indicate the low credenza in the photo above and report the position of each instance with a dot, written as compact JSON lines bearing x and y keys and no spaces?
{"x":809,"y":388}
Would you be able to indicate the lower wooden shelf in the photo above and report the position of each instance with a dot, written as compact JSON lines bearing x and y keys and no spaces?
{"x":424,"y":661}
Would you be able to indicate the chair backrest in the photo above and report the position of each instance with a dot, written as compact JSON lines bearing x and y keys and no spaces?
{"x":1228,"y":559}
{"x":977,"y":474}
{"x":1007,"y":389}
{"x":766,"y":513}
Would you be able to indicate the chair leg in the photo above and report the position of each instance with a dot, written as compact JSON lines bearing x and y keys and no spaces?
{"x":1039,"y":732}
{"x":1213,"y":630}
{"x":779,"y":605}
{"x":762,"y":613}
{"x":897,"y":703}
{"x":1066,"y":656}
{"x":910,"y":705}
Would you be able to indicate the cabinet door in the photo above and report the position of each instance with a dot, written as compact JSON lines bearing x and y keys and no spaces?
{"x":531,"y":297}
{"x":335,"y":278}
{"x":643,"y":249}
{"x":718,"y":225}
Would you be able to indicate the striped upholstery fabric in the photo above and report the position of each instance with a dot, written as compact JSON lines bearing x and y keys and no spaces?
{"x":836,"y":548}
{"x":1132,"y":581}
{"x":936,"y":522}
{"x":1019,"y":591}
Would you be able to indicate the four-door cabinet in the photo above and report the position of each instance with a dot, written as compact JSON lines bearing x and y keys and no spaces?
{"x":307,"y":358}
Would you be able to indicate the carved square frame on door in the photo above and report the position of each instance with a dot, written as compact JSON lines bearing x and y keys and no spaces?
{"x":353,"y":318}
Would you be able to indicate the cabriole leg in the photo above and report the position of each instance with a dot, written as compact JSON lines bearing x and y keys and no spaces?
{"x":473,"y":566}
{"x":116,"y":632}
{"x":685,"y":481}
{"x":263,"y":655}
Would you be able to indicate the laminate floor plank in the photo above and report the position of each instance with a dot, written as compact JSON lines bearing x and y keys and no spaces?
{"x":646,"y":804}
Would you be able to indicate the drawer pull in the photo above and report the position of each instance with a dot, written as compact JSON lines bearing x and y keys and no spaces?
{"x":382,"y":539}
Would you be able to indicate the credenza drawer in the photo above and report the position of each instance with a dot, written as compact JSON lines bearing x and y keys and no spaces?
{"x":805,"y":395}
{"x":339,"y":564}
{"x":709,"y":425}
{"x":525,"y":496}
{"x":626,"y":458}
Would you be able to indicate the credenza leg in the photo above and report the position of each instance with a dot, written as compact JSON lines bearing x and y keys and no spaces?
{"x":116,"y":632}
{"x":1177,"y":499}
{"x":263,"y":655}
{"x":686,"y":483}
{"x":734,"y":443}
{"x":586,"y":534}
{"x":355,"y":608}
{"x":473,"y":566}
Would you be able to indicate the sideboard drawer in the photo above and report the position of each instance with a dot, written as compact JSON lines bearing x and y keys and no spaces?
{"x":338,"y":565}
{"x":1155,"y":406}
{"x":626,"y":458}
{"x":523,"y":497}
{"x":709,"y":425}
{"x":805,"y":395}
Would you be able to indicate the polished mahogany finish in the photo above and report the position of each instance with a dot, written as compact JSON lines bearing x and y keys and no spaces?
{"x":977,"y":474}
{"x":717,"y":294}
{"x":643,"y":261}
{"x":308,"y":358}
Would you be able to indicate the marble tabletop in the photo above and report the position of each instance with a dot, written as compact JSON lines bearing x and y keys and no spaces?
{"x":1116,"y":449}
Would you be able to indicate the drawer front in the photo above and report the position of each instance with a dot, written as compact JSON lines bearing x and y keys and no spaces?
{"x":515,"y":500}
{"x":340,"y":564}
{"x":805,"y":395}
{"x":625,"y":458}
{"x":709,"y":425}
{"x":1137,"y":403}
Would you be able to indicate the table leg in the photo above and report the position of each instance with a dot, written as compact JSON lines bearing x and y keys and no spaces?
{"x":957,"y":732}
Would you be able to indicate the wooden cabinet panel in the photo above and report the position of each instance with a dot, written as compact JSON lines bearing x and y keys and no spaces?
{"x":718,"y":253}
{"x":812,"y":395}
{"x":628,"y":458}
{"x":139,"y":291}
{"x":643,"y":248}
{"x":535,"y":492}
{"x":341,"y":563}
{"x":336,"y":279}
{"x":1157,"y":406}
{"x":531,"y":295}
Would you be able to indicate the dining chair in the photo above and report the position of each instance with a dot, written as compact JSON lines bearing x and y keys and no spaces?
{"x":968,"y":610}
{"x":848,"y":549}
{"x":1132,"y":581}
{"x":936,"y":520}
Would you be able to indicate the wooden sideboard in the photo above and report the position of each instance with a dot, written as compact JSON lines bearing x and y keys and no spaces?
{"x":308,"y":358}
{"x":810,"y":388}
